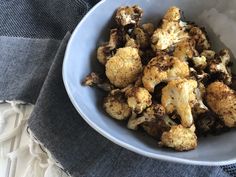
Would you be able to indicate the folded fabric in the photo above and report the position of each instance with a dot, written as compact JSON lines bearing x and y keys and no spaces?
{"x":30,"y":70}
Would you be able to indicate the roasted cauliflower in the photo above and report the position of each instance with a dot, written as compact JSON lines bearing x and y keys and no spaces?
{"x":94,"y":80}
{"x":155,"y":111}
{"x":116,"y":106}
{"x":128,"y":15}
{"x":124,"y":67}
{"x":222,"y":100}
{"x":219,"y":67}
{"x":163,"y":68}
{"x":199,"y":36}
{"x":167,"y":81}
{"x":105,"y":51}
{"x":179,"y":95}
{"x":158,"y":126}
{"x":185,"y":50}
{"x":170,"y":32}
{"x":179,"y":138}
{"x":138,"y":99}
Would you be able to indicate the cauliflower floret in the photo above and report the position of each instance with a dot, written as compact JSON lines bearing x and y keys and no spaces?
{"x":105,"y":51}
{"x":199,"y":36}
{"x":173,"y":14}
{"x":179,"y":95}
{"x":200,"y":62}
{"x":116,"y":106}
{"x":142,"y":39}
{"x":170,"y":32}
{"x":124,"y":67}
{"x":179,"y":138}
{"x":209,"y":122}
{"x":209,"y":54}
{"x":158,"y":126}
{"x":200,"y":76}
{"x":148,"y":28}
{"x":94,"y":80}
{"x":219,"y":65}
{"x":128,"y":15}
{"x":185,"y":49}
{"x":222,"y":100}
{"x":199,"y":106}
{"x":153,"y":112}
{"x":138,"y":99}
{"x":130,"y":42}
{"x":163,"y":68}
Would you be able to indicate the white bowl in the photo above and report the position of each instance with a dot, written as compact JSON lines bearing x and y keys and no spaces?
{"x":80,"y":59}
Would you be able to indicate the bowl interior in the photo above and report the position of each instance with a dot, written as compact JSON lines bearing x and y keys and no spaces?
{"x":80,"y":59}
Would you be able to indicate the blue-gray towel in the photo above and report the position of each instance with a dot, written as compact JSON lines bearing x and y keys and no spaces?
{"x":33,"y":38}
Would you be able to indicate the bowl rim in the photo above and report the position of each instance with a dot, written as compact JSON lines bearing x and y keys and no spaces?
{"x":109,"y":136}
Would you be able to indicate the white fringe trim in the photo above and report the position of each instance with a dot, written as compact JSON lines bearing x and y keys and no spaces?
{"x":41,"y":163}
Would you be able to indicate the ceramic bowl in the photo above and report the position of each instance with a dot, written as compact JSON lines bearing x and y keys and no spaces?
{"x":80,"y":59}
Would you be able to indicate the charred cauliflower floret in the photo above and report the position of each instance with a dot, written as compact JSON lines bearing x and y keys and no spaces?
{"x":222,"y":100}
{"x":185,"y":49}
{"x":199,"y":106}
{"x":158,"y":126}
{"x":179,"y":138}
{"x":124,"y":67}
{"x":138,"y":99}
{"x":163,"y":68}
{"x":94,"y":80}
{"x":142,"y":39}
{"x":219,"y":66}
{"x":128,"y":15}
{"x":116,"y":106}
{"x":170,"y":32}
{"x":148,"y":28}
{"x":179,"y":95}
{"x":130,"y":42}
{"x":173,"y":14}
{"x":200,"y":62}
{"x":199,"y":36}
{"x":105,"y":51}
{"x":209,"y":54}
{"x":153,"y":112}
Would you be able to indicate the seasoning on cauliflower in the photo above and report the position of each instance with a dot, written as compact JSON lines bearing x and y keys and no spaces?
{"x":219,"y":67}
{"x":153,"y":112}
{"x":200,"y":76}
{"x":105,"y":51}
{"x":142,"y":39}
{"x":222,"y":100}
{"x":184,"y":50}
{"x":158,"y":126}
{"x":209,"y":123}
{"x":199,"y":106}
{"x":130,"y":42}
{"x":124,"y":67}
{"x":163,"y":68}
{"x":209,"y":54}
{"x":199,"y":35}
{"x":170,"y":32}
{"x":128,"y":15}
{"x":179,"y":95}
{"x":138,"y":99}
{"x":148,"y":28}
{"x":94,"y":80}
{"x":179,"y":138}
{"x":200,"y":62}
{"x":116,"y":106}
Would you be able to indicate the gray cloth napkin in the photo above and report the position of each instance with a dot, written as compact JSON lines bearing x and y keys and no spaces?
{"x":30,"y":70}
